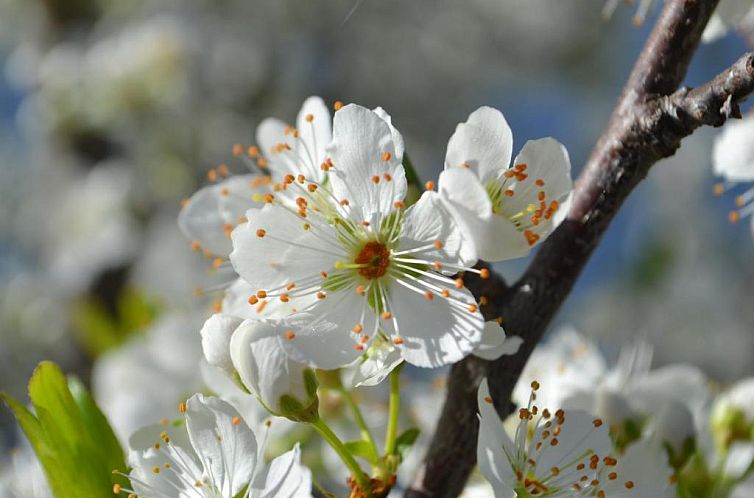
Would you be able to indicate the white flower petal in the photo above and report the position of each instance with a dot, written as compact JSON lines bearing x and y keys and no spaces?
{"x":682,"y":383}
{"x":271,"y":133}
{"x":577,"y":435}
{"x":486,"y":236}
{"x":567,"y":363}
{"x":322,"y":343}
{"x":263,"y":365}
{"x":286,"y":251}
{"x":495,"y":344}
{"x":436,"y":332}
{"x":484,"y":143}
{"x":374,"y":366}
{"x":547,"y":160}
{"x":236,"y":302}
{"x":645,"y":465}
{"x":361,"y":143}
{"x":215,"y":209}
{"x":201,"y":220}
{"x":225,"y":444}
{"x":239,"y":193}
{"x":143,"y":457}
{"x":397,"y":137}
{"x":492,"y":445}
{"x":744,"y":489}
{"x":714,"y":30}
{"x":733,"y":152}
{"x":428,"y":221}
{"x":216,"y":334}
{"x":287,"y":477}
{"x":316,"y":134}
{"x":739,"y":459}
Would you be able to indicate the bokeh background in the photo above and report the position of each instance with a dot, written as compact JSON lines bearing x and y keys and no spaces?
{"x":113,"y":111}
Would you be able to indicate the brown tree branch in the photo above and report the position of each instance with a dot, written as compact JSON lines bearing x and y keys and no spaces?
{"x":651,"y":118}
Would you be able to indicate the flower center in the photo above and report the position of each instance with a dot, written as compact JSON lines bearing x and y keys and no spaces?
{"x":374,"y":259}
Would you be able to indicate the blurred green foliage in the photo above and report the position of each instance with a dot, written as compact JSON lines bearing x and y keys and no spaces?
{"x":99,"y":330}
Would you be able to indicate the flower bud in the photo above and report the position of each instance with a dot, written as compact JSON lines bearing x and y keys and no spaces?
{"x":285,"y":388}
{"x":732,"y":416}
{"x":216,"y":334}
{"x":674,"y":429}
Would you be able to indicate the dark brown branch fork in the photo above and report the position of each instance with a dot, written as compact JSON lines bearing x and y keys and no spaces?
{"x":651,"y":118}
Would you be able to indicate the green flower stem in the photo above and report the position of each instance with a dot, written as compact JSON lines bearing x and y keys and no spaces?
{"x":362,"y":480}
{"x":395,"y":400}
{"x":366,"y":435}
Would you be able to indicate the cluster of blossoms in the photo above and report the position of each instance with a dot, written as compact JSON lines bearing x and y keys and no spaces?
{"x":335,"y":266}
{"x":331,"y":261}
{"x":656,"y":428}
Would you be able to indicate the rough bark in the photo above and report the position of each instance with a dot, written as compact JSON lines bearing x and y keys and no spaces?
{"x":651,"y":118}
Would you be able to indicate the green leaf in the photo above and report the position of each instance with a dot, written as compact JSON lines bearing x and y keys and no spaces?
{"x":405,"y":442}
{"x":71,"y":437}
{"x":98,"y":426}
{"x":360,"y":448}
{"x":56,"y":475}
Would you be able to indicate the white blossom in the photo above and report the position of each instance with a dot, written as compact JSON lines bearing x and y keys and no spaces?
{"x":566,"y":453}
{"x":214,"y":455}
{"x":373,"y":266}
{"x":503,"y":209}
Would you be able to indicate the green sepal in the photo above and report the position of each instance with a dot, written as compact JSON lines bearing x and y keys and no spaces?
{"x":310,"y":383}
{"x":71,"y":437}
{"x":405,"y":441}
{"x":415,"y":187}
{"x":361,"y":449}
{"x":293,"y":409}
